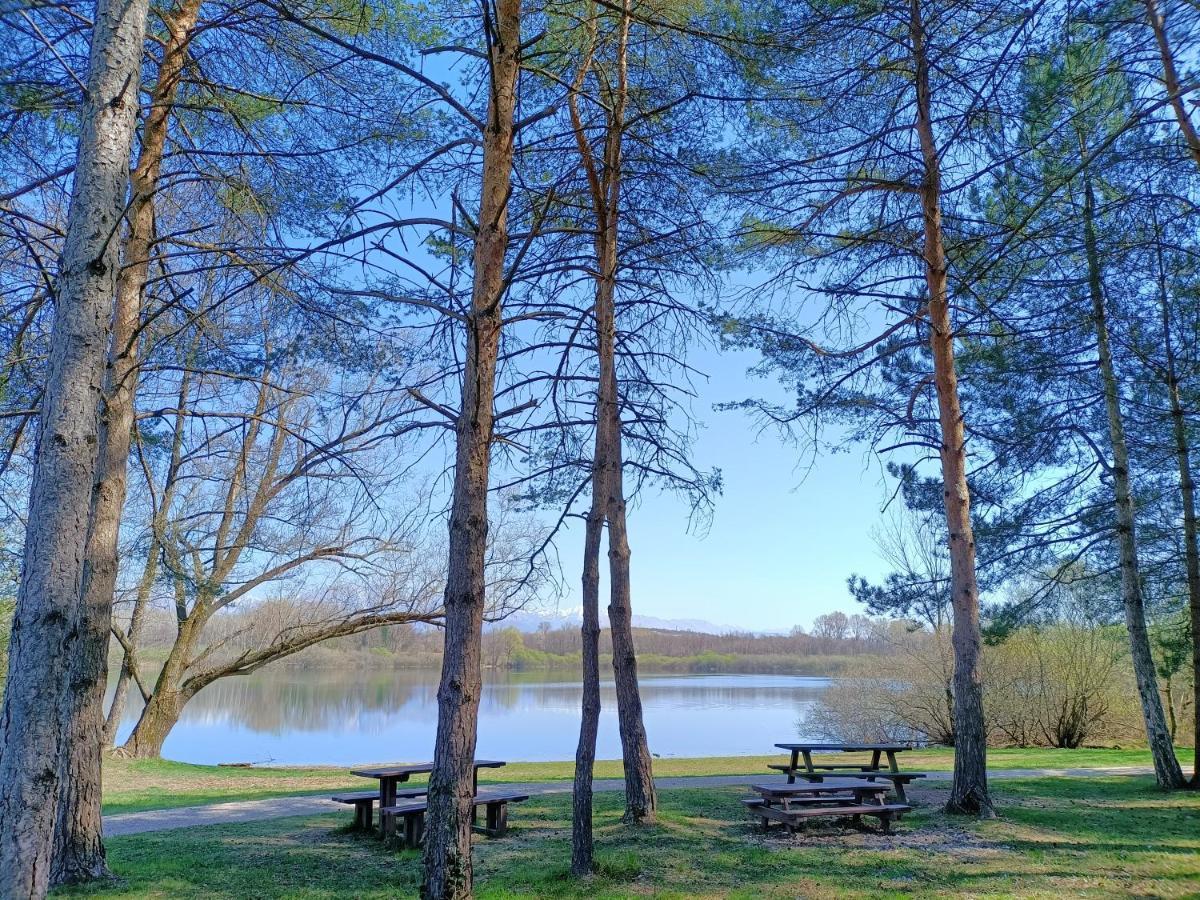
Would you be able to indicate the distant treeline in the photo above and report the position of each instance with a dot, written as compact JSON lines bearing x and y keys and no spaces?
{"x":827,"y":649}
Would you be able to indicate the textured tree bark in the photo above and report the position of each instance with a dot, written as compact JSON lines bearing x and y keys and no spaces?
{"x":170,"y":693}
{"x":608,"y":463}
{"x":79,"y":851}
{"x":1187,"y":491}
{"x":1158,"y":22}
{"x":448,"y":870}
{"x":585,"y":753}
{"x":1166,"y":767}
{"x":641,"y":800}
{"x":969,"y":789}
{"x":35,"y":722}
{"x":582,"y":844}
{"x":160,"y":715}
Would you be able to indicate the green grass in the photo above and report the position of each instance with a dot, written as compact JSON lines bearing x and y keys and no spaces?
{"x":1079,"y":837}
{"x":134,"y":785}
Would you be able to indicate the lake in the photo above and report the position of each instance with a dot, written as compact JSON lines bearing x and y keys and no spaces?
{"x":341,"y":718}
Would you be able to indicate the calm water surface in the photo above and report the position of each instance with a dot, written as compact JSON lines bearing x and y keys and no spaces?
{"x":341,"y":718}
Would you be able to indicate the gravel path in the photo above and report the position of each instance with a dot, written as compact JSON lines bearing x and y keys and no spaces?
{"x":256,"y":810}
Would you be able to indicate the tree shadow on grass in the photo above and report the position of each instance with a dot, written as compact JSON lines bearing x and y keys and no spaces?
{"x":1106,"y":838}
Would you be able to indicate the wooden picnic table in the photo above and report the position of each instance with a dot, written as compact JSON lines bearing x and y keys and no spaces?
{"x":819,"y":771}
{"x":391,"y":776}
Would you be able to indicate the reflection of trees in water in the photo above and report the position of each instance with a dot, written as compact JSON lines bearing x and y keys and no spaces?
{"x":314,"y":703}
{"x":694,"y":695}
{"x":359,"y":702}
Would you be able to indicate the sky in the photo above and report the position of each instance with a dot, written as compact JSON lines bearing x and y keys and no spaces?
{"x":782,"y":539}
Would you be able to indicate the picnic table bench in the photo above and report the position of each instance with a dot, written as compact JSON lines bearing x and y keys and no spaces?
{"x":411,"y":815}
{"x":792,"y":804}
{"x":793,"y":817}
{"x":867,"y":771}
{"x":364,"y":804}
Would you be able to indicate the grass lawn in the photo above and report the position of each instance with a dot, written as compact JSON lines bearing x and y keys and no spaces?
{"x":1057,"y":837}
{"x":132,"y":785}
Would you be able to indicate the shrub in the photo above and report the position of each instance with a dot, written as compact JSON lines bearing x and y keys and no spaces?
{"x":1056,"y":686}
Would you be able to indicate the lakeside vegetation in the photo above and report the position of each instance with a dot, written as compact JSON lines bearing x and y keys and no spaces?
{"x":1094,"y":837}
{"x":827,"y":648}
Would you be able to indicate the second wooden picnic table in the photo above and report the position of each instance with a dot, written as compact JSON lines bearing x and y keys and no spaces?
{"x":390,"y":777}
{"x":819,"y":771}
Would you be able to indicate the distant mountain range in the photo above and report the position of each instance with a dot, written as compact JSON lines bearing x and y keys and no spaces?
{"x":530,"y":621}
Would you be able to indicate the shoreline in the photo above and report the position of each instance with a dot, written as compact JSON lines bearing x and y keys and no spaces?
{"x":137,"y":785}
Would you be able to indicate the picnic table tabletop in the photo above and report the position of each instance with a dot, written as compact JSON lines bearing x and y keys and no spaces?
{"x":403,"y":772}
{"x":843,"y":747}
{"x":819,"y":787}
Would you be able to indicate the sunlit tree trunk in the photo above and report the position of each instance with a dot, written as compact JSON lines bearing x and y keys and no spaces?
{"x":640,"y":798}
{"x":79,"y":854}
{"x":969,"y":789}
{"x":1158,"y":22}
{"x":1183,"y":452}
{"x":1187,"y":492}
{"x":1166,"y":766}
{"x":585,"y":753}
{"x":604,"y":183}
{"x":448,"y":870}
{"x":36,"y":720}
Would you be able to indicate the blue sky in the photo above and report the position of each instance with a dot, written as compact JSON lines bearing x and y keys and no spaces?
{"x":782,"y":539}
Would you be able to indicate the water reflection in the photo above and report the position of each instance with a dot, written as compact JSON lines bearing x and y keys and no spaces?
{"x":341,"y":718}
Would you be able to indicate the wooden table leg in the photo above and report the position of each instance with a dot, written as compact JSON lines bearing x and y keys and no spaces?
{"x":414,"y":830}
{"x":497,"y":819}
{"x":387,"y":797}
{"x":875,"y":759}
{"x":475,"y":793}
{"x":895,"y":767}
{"x":810,"y":768}
{"x":795,"y":761}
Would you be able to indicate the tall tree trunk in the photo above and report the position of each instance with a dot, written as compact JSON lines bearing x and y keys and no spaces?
{"x":641,"y":800}
{"x":1183,"y":452}
{"x":35,"y":722}
{"x":969,"y":789}
{"x":79,"y":852}
{"x":585,"y":753}
{"x":448,"y":871}
{"x":1187,"y":491}
{"x":1158,"y":21}
{"x":1166,"y":766}
{"x":582,"y":845}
